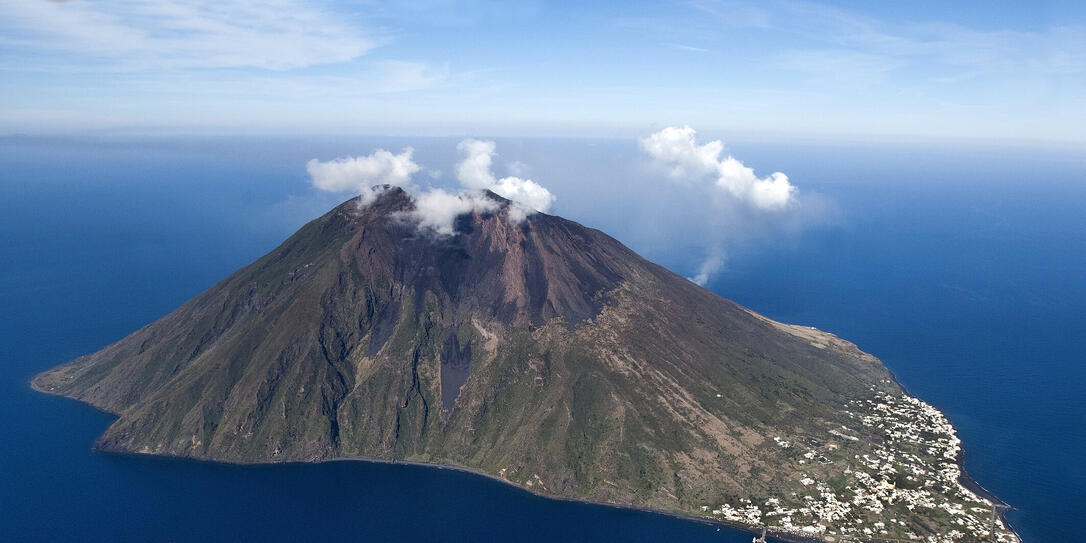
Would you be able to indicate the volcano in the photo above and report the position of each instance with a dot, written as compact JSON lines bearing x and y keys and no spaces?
{"x":536,"y":350}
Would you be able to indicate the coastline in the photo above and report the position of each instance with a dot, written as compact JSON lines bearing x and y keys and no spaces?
{"x":965,"y":479}
{"x":682,"y":516}
{"x":34,"y":386}
{"x":782,"y":536}
{"x":451,"y":467}
{"x":1001,"y":506}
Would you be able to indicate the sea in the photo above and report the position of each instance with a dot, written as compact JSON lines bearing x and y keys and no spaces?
{"x":961,"y":266}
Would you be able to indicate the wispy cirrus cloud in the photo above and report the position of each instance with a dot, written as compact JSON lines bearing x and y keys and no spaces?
{"x":684,"y":47}
{"x":771,"y":67}
{"x":867,"y":44}
{"x":405,"y":76}
{"x":135,"y":34}
{"x":735,"y":13}
{"x":865,"y":48}
{"x":365,"y":79}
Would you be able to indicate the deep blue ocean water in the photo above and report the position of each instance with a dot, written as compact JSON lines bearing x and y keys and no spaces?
{"x":964,"y":269}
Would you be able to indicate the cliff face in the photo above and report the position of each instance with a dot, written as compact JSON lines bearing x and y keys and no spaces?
{"x":542,"y":352}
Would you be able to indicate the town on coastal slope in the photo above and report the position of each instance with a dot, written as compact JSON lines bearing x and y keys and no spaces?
{"x":916,"y":467}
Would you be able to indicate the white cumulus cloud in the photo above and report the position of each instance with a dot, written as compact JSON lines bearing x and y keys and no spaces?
{"x":475,"y":172}
{"x":436,"y":210}
{"x":527,"y":196}
{"x":678,"y":149}
{"x":364,"y":174}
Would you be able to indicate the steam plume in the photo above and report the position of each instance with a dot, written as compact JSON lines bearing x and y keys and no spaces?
{"x":474,"y":172}
{"x":435,"y":209}
{"x":739,"y":196}
{"x":365,"y":175}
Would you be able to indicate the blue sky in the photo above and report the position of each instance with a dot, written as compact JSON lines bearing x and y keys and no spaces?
{"x":967,"y":71}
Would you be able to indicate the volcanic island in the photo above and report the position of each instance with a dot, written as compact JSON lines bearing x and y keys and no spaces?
{"x":535,"y":350}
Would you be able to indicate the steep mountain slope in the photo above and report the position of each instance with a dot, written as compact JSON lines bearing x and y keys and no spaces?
{"x":541,"y":352}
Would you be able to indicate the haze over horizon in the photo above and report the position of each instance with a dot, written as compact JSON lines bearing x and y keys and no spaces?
{"x":963,"y":72}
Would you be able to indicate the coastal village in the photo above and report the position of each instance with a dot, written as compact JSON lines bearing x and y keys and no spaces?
{"x":904,"y":485}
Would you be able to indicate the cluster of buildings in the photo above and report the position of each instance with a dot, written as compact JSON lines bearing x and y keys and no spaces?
{"x":892,"y":476}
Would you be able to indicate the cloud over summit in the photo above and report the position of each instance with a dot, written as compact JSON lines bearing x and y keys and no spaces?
{"x":474,"y":172}
{"x":435,"y":209}
{"x":364,"y":174}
